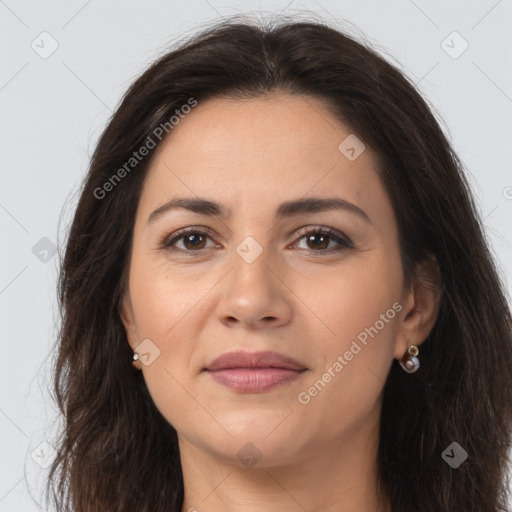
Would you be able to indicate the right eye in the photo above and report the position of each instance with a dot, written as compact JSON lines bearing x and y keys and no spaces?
{"x":193,"y":240}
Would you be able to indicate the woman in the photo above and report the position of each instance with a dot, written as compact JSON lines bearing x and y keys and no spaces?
{"x":277,"y":295}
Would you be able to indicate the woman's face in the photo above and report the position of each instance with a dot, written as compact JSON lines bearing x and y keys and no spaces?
{"x":253,"y":280}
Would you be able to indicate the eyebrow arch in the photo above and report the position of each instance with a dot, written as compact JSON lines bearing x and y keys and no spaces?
{"x":287,"y":209}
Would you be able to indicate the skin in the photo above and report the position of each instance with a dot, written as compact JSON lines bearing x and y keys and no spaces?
{"x":251,"y":155}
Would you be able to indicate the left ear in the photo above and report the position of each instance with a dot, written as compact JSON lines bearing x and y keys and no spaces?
{"x":420,"y":306}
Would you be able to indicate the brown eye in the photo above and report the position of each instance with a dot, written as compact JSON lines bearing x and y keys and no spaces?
{"x":318,"y":240}
{"x":193,"y":240}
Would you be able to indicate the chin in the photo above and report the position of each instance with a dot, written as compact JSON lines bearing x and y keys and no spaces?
{"x":258,"y":440}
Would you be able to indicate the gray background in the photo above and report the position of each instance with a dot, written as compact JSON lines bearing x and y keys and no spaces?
{"x":53,"y":108}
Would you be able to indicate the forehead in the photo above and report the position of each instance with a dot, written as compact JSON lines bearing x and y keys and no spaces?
{"x":253,"y":152}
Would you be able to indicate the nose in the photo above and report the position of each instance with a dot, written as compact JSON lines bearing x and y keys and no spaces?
{"x":254,"y":293}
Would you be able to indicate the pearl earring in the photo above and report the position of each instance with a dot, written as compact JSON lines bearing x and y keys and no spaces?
{"x":409,"y":362}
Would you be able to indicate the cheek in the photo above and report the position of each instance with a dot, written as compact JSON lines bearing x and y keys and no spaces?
{"x":352,"y":296}
{"x":347,"y":384}
{"x":160,"y":299}
{"x":163,"y":312}
{"x":168,"y":312}
{"x":361,"y":309}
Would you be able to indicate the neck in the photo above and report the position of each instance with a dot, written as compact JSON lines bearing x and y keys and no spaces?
{"x":340,"y":478}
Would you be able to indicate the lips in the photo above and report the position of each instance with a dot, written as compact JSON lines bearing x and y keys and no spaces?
{"x":241,"y":359}
{"x":254,"y":372}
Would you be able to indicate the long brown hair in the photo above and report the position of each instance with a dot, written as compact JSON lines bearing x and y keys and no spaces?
{"x":116,"y":452}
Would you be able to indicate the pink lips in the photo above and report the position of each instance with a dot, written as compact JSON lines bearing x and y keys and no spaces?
{"x":254,"y":372}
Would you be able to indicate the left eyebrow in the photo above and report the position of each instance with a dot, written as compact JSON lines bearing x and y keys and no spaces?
{"x":287,"y":209}
{"x":319,"y":204}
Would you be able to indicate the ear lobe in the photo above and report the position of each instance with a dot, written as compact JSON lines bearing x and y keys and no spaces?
{"x":421,"y":308}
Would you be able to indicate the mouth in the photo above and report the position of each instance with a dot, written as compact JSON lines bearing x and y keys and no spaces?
{"x":254,"y":372}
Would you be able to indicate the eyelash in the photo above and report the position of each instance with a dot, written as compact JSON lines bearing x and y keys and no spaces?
{"x":343,"y":241}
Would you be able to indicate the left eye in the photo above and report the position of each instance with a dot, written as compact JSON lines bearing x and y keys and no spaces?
{"x":320,"y":238}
